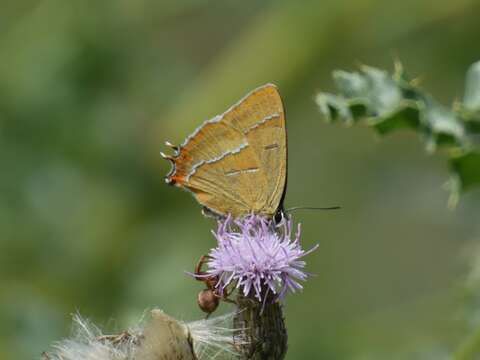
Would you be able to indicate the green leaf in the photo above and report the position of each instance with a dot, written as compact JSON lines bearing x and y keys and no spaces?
{"x":444,"y":128}
{"x":473,"y":127}
{"x":471,"y":99}
{"x":350,"y":84}
{"x":467,"y":168}
{"x":392,"y":102}
{"x":334,"y":107}
{"x":383,"y":93}
{"x":406,"y":116}
{"x":374,"y":88}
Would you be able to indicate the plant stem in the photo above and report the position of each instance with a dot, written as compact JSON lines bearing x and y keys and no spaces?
{"x":261,"y":333}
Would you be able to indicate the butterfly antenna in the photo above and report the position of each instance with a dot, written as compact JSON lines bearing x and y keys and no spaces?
{"x":311,"y":208}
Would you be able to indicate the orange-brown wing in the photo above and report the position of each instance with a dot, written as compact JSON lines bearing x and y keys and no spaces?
{"x":236,"y":163}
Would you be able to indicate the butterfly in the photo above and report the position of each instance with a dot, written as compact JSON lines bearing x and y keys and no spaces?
{"x":236,"y":162}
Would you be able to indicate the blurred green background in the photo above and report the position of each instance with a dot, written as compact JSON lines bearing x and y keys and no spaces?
{"x":90,"y":90}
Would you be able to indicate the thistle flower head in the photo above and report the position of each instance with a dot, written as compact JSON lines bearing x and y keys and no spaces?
{"x":258,"y":256}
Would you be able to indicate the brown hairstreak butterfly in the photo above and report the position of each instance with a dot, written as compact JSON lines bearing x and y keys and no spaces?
{"x":236,"y":162}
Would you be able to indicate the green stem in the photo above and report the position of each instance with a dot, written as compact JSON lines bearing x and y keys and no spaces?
{"x":261,"y":333}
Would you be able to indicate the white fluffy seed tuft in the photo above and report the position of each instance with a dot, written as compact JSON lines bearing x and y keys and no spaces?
{"x":159,"y":337}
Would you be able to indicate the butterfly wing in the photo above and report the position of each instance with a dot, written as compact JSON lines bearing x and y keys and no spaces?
{"x":236,"y":163}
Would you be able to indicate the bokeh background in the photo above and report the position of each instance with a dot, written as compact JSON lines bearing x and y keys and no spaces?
{"x":90,"y":90}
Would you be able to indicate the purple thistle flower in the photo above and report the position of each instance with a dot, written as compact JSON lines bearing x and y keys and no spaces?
{"x":258,"y":256}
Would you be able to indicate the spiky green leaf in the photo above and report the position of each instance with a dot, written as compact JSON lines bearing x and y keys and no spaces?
{"x":392,"y":102}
